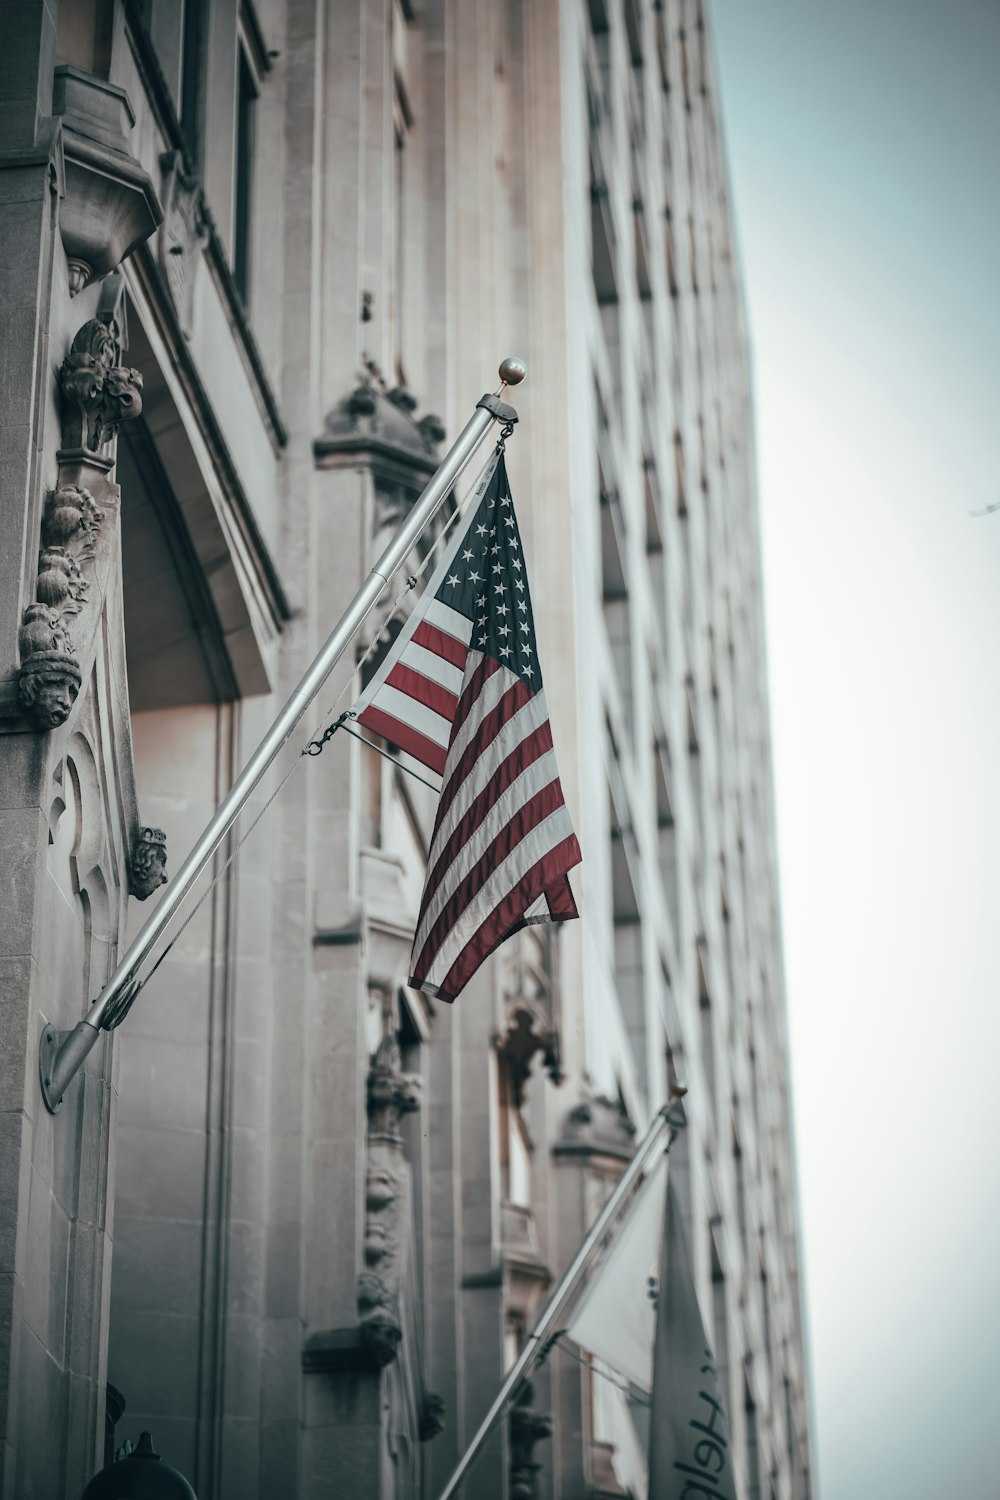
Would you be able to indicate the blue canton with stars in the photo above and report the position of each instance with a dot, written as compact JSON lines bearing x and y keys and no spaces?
{"x":486,"y":582}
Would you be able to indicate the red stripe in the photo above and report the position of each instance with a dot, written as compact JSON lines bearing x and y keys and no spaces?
{"x":407,"y":738}
{"x":471,"y":690}
{"x":441,"y":643}
{"x":516,"y":696}
{"x":431,"y":694}
{"x":522,"y":756}
{"x":527,"y":817}
{"x":548,"y":875}
{"x":559,"y":895}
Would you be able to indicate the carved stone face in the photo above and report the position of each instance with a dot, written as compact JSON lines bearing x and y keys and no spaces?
{"x":54,"y":699}
{"x":381,"y":1187}
{"x":123,"y":387}
{"x":48,"y":686}
{"x":147,"y":869}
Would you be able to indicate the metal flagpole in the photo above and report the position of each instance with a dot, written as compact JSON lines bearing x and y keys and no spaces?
{"x":63,"y":1053}
{"x":536,"y":1345}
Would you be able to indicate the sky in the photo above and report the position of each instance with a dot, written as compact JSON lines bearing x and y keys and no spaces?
{"x":863,"y":138}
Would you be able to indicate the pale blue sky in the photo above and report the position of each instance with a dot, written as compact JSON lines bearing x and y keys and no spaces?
{"x":863,"y":139}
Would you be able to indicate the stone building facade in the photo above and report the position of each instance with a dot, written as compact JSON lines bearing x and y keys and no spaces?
{"x":292,"y":1218}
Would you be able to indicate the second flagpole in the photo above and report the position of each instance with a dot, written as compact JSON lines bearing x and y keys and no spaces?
{"x":62,"y":1054}
{"x":547,"y":1327}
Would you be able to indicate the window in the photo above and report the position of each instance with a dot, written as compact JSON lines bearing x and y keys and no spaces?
{"x":83,"y":36}
{"x":753,"y":1444}
{"x":707,"y":1026}
{"x":246,"y":129}
{"x":402,"y":123}
{"x":192,"y":70}
{"x":720,"y":1323}
{"x":515,"y":1143}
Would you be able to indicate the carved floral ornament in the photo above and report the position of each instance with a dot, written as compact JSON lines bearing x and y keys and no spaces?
{"x":528,"y":1427}
{"x":97,"y":394}
{"x":50,"y":674}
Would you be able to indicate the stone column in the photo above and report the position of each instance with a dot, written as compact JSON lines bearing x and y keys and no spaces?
{"x":69,"y":827}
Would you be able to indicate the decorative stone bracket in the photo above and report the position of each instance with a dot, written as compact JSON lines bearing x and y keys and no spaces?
{"x":527,"y":1427}
{"x":50,"y":674}
{"x":110,"y":205}
{"x":377,"y":422}
{"x":147,"y":866}
{"x":391,"y":1094}
{"x":597,"y":1127}
{"x":528,"y":1024}
{"x":375,"y":1340}
{"x":98,"y":393}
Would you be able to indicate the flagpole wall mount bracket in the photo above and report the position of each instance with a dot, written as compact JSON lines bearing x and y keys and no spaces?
{"x":60,"y":1055}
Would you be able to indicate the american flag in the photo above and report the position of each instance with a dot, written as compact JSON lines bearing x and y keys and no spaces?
{"x":461,"y":691}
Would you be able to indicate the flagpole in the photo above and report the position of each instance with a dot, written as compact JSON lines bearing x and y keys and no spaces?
{"x":664,"y":1123}
{"x":63,"y":1053}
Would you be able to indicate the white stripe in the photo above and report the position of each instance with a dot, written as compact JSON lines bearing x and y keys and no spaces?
{"x":503,"y":880}
{"x":429,"y":664}
{"x":492,"y":691}
{"x":527,"y":719}
{"x":411,"y":711}
{"x":530,"y":782}
{"x":451,"y":621}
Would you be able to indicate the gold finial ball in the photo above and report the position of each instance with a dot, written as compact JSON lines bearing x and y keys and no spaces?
{"x":513,"y":370}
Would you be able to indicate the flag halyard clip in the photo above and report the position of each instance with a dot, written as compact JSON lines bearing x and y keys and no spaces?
{"x":317,"y":746}
{"x":503,"y":413}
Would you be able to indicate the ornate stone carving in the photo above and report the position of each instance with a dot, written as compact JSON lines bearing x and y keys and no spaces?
{"x":48,"y":686}
{"x":528,"y":1427}
{"x":597,"y":1127}
{"x":182,"y":234}
{"x":378,"y":422}
{"x":50,"y":675}
{"x":381,"y":1333}
{"x":528,"y":1024}
{"x":109,"y":205}
{"x":391,"y":1094}
{"x":147,"y":866}
{"x":43,"y":630}
{"x":98,"y":392}
{"x":431,"y":1416}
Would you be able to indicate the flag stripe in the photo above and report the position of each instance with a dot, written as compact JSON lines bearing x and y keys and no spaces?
{"x":461,"y":794}
{"x":429,"y":664}
{"x":441,"y":643}
{"x":449,"y":620}
{"x":506,"y":918}
{"x":481,"y":791}
{"x":510,"y":855}
{"x":486,"y":720}
{"x":408,"y":711}
{"x":431,"y":694}
{"x":406,"y":737}
{"x":458,"y":859}
{"x":470,"y":945}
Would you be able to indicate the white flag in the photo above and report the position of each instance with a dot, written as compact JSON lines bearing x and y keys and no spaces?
{"x":616,"y":1317}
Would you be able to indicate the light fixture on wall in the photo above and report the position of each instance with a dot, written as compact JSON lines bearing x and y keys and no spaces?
{"x":142,"y":1475}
